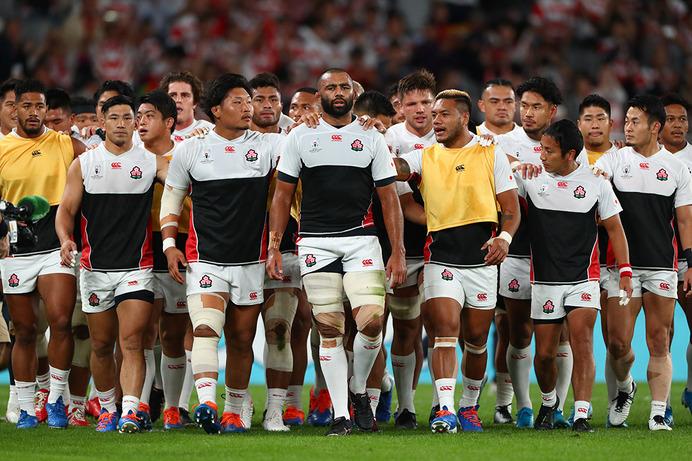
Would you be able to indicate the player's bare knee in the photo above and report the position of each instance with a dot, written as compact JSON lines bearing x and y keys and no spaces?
{"x":80,"y":332}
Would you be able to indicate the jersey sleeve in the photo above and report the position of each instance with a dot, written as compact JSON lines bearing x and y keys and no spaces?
{"x":276,"y":142}
{"x":179,"y":169}
{"x":414,"y":160}
{"x":683,"y":194}
{"x":605,"y":163}
{"x":383,"y":170}
{"x":608,"y":203}
{"x":403,"y":188}
{"x":504,"y":177}
{"x":582,"y":158}
{"x":289,"y":166}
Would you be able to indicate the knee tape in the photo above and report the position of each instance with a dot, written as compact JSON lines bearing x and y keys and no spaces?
{"x":209,"y":316}
{"x":405,"y":308}
{"x":281,"y":309}
{"x":82,"y":352}
{"x":205,"y":355}
{"x":446,"y":341}
{"x":660,"y":372}
{"x":324,"y":291}
{"x":473,"y":349}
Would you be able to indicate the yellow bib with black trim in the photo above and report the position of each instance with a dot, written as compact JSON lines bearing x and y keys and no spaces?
{"x":184,"y":221}
{"x":458,"y":186}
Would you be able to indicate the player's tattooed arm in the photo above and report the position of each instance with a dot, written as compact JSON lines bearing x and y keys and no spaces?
{"x":275,"y":239}
{"x":507,"y":215}
{"x":403,"y":170}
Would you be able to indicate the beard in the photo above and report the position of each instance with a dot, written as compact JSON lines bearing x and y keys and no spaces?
{"x":329,"y":108}
{"x":263,"y":122}
{"x":30,"y":130}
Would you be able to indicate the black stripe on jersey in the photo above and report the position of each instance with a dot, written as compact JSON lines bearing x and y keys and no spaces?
{"x":44,"y":229}
{"x":648,"y":222}
{"x":336,"y":200}
{"x":562,"y":244}
{"x":415,"y":235}
{"x":521,"y":242}
{"x":229,"y":218}
{"x":459,"y":246}
{"x":118,"y":230}
{"x":603,"y":240}
{"x":160,"y":260}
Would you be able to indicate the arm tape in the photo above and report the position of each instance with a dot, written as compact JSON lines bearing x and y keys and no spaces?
{"x":172,"y":202}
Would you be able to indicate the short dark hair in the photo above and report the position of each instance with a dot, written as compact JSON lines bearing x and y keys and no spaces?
{"x":162,"y":103}
{"x":675,"y":99}
{"x":419,"y":80}
{"x":118,"y":100}
{"x":594,"y":100}
{"x":218,"y":88}
{"x":185,"y":77}
{"x":374,"y":103}
{"x":307,"y":89}
{"x":462,"y":99}
{"x":651,"y":106}
{"x":543,"y":86}
{"x":567,"y":135}
{"x":333,"y":70}
{"x":8,"y":85}
{"x":265,"y":79}
{"x":120,"y":87}
{"x":57,"y":98}
{"x":29,"y":85}
{"x":393,"y":90}
{"x":497,"y":82}
{"x":81,"y":105}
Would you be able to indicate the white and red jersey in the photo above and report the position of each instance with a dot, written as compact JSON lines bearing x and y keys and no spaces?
{"x":483,"y":129}
{"x":563,"y":214}
{"x":116,"y":209}
{"x":684,"y":154}
{"x":180,"y":135}
{"x":649,"y":188}
{"x":401,"y":141}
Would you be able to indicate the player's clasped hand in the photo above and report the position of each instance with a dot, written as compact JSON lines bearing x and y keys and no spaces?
{"x":498,"y":247}
{"x":175,"y":257}
{"x":275,"y":264}
{"x":68,"y":254}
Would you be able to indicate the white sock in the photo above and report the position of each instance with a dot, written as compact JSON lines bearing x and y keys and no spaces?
{"x":294,"y":396}
{"x":387,"y":383}
{"x":658,"y":408}
{"x":689,"y":366}
{"x":77,"y":401}
{"x":92,"y":391}
{"x":43,"y":381}
{"x":565,"y":364}
{"x":365,"y":352}
{"x":320,"y":383}
{"x":519,"y":365}
{"x":206,"y":390}
{"x":374,"y":396}
{"x":349,"y":361}
{"x":25,"y":396}
{"x":403,"y":368}
{"x":505,"y":391}
{"x":130,"y":404}
{"x":445,"y":392}
{"x":549,"y":398}
{"x":188,"y":382}
{"x":626,"y":385}
{"x":172,"y":377}
{"x":611,"y":380}
{"x":107,"y":400}
{"x":275,"y":401}
{"x":149,"y":374}
{"x":472,"y":390}
{"x":158,"y":353}
{"x":58,"y":384}
{"x":13,"y":401}
{"x":335,"y":368}
{"x":436,"y":398}
{"x":581,"y":409}
{"x":234,"y":400}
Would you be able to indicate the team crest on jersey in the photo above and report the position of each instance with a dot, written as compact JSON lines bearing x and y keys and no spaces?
{"x":548,"y":307}
{"x":310,"y":260}
{"x":662,"y":175}
{"x":13,"y":281}
{"x":251,"y":156}
{"x":136,"y":173}
{"x":357,"y":145}
{"x":205,"y":282}
{"x":94,"y":300}
{"x":513,"y":286}
{"x":446,"y":275}
{"x":207,"y":158}
{"x":579,"y":192}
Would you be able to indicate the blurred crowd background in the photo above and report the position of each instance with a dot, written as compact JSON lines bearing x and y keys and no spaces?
{"x":612,"y":47}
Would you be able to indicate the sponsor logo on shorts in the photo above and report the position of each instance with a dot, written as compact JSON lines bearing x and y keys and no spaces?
{"x":253,"y":295}
{"x":446,"y":275}
{"x":136,"y":173}
{"x":310,"y":260}
{"x":357,"y":145}
{"x":205,"y":282}
{"x":482,"y":296}
{"x":230,"y":149}
{"x":562,"y":185}
{"x":94,"y":300}
{"x":181,"y":305}
{"x":418,"y":146}
{"x":116,"y":165}
{"x":336,"y":137}
{"x":207,"y":158}
{"x":585,"y":297}
{"x":132,"y":283}
{"x":548,"y":307}
{"x":662,"y":175}
{"x":286,"y":279}
{"x":579,"y":192}
{"x":665,"y":286}
{"x":367,"y":262}
{"x":644,"y":166}
{"x":513,"y":286}
{"x":446,"y":388}
{"x":13,"y":281}
{"x":251,"y":156}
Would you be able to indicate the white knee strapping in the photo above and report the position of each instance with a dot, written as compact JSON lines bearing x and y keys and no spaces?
{"x":324,"y":291}
{"x":445,"y":341}
{"x":205,"y":354}
{"x":365,"y":288}
{"x":473,"y":349}
{"x":405,"y":308}
{"x":282,"y":311}
{"x":82,"y":352}
{"x":211,"y":317}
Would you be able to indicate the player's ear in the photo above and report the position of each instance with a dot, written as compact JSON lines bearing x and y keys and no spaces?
{"x":572,"y":154}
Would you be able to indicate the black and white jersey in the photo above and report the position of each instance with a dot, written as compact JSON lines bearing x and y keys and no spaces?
{"x":684,"y":154}
{"x":338,"y":168}
{"x":649,"y":189}
{"x":562,"y":219}
{"x":483,"y":129}
{"x":229,"y":186}
{"x":116,"y":209}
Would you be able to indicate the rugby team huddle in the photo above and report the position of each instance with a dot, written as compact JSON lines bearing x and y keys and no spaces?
{"x":166,"y":232}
